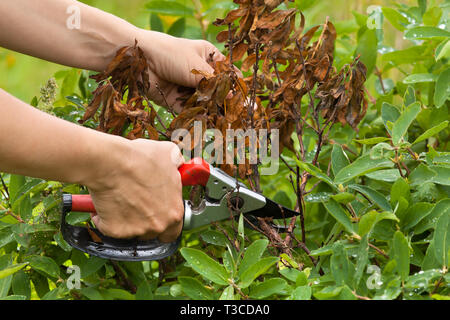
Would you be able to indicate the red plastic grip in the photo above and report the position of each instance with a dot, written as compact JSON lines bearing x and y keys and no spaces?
{"x":82,"y":203}
{"x":194,"y":172}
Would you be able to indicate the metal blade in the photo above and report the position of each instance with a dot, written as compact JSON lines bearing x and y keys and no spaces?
{"x":273,"y":210}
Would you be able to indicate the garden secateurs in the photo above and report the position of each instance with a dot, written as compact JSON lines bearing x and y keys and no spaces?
{"x":223,"y":198}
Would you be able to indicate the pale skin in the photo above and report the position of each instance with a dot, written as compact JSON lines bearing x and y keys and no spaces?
{"x":135,"y":185}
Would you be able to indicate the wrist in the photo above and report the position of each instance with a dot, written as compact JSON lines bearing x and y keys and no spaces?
{"x":156,"y":46}
{"x":102,"y":36}
{"x":108,"y":158}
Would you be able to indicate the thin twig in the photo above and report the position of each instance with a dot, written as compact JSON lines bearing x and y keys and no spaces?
{"x":125,"y":282}
{"x":4,"y":186}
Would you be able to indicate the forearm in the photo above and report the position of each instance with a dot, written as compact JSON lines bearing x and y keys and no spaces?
{"x":33,"y":143}
{"x":39,"y":28}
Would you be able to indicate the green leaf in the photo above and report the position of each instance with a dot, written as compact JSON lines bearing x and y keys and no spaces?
{"x":15,"y":183}
{"x":426,"y":32}
{"x":335,"y":293}
{"x":204,"y":265}
{"x":119,"y":294}
{"x":92,"y":265}
{"x":441,"y":240}
{"x":370,"y":219}
{"x":430,"y":261}
{"x":70,"y":82}
{"x":61,"y":242}
{"x":282,"y":198}
{"x":155,"y":23}
{"x":177,"y":29}
{"x":367,"y":48}
{"x":409,"y":97}
{"x":11,"y":270}
{"x":290,"y":274}
{"x":416,"y":213}
{"x":144,"y":291}
{"x":363,"y":259}
{"x":421,"y":174}
{"x":432,"y":132}
{"x":429,"y":221}
{"x":214,"y":237}
{"x":442,"y":175}
{"x":92,"y":293}
{"x":301,"y":293}
{"x":21,"y":284}
{"x":432,"y":16}
{"x":389,"y":113}
{"x":34,"y":102}
{"x":442,"y":89}
{"x":410,"y":55}
{"x":241,"y":227}
{"x":268,"y":288}
{"x":44,"y":265}
{"x":402,"y":124}
{"x":401,"y":254}
{"x":400,"y":189}
{"x":335,"y":209}
{"x":341,"y":267}
{"x":373,"y":195}
{"x":339,"y":159}
{"x":420,"y":77}
{"x":316,"y":172}
{"x":372,"y":140}
{"x":255,"y":270}
{"x":343,"y":197}
{"x":443,"y":50}
{"x":228,"y":293}
{"x":389,"y":175}
{"x":395,"y":18}
{"x":359,"y":167}
{"x":194,"y":289}
{"x":382,"y":150}
{"x":170,"y":8}
{"x":6,"y":236}
{"x":252,"y":254}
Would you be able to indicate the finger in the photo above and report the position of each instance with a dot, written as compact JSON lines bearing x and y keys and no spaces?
{"x":171,"y":234}
{"x":176,"y":156}
{"x":98,"y":223}
{"x":200,"y":65}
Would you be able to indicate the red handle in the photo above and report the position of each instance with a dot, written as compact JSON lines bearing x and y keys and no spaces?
{"x":194,"y":172}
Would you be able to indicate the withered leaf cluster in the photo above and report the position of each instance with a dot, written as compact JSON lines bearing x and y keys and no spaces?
{"x":286,"y":64}
{"x":122,"y":96}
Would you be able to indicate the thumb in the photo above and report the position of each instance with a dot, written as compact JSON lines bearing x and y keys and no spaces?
{"x":202,"y":66}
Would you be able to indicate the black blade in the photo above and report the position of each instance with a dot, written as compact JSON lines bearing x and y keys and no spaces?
{"x":273,"y":210}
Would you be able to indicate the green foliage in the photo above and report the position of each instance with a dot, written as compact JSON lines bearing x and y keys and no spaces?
{"x":376,"y":223}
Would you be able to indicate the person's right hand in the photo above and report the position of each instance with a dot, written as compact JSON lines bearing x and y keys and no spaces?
{"x":141,"y":196}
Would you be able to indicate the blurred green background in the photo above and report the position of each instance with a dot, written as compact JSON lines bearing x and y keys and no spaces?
{"x":23,"y":76}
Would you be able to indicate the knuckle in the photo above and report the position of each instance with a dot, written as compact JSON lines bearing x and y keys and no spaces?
{"x":158,"y":228}
{"x":177,"y":216}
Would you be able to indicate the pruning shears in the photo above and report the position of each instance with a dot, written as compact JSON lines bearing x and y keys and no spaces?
{"x":224,"y":196}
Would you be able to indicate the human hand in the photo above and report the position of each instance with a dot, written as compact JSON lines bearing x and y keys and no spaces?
{"x":142,"y":194}
{"x":171,"y":61}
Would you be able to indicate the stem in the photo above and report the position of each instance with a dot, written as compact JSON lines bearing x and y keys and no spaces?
{"x":125,"y":282}
{"x":198,"y":15}
{"x":4,"y":186}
